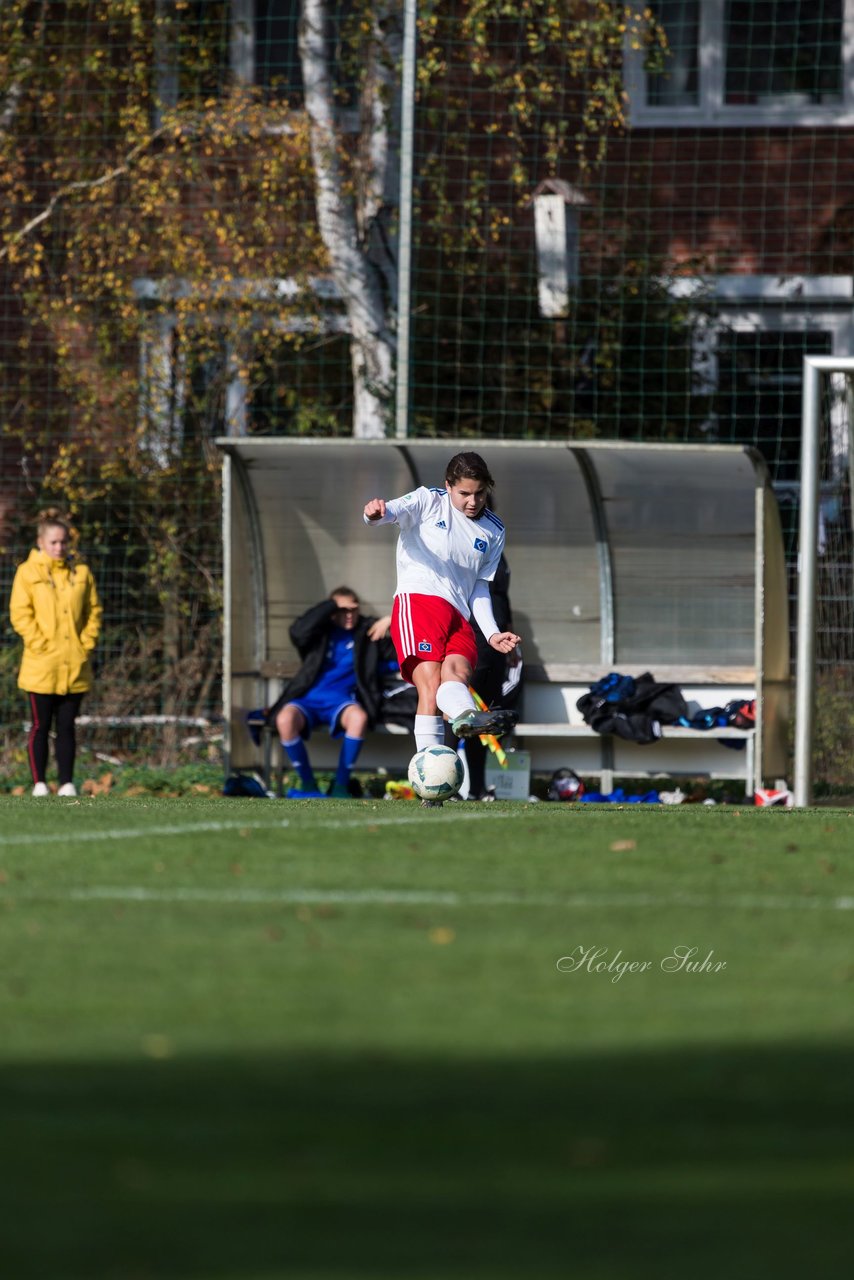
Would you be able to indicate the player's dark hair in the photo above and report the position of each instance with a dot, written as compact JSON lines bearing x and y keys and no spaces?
{"x":468,"y":466}
{"x":345,"y":591}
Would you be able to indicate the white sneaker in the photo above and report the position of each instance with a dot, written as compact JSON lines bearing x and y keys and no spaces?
{"x":41,"y":789}
{"x":67,"y":789}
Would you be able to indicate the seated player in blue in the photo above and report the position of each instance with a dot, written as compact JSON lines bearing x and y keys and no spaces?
{"x":344,"y":659}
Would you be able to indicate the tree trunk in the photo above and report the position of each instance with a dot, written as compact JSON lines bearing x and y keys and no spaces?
{"x":360,"y":283}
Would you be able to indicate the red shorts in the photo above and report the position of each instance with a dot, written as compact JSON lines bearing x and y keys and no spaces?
{"x":427,"y":629}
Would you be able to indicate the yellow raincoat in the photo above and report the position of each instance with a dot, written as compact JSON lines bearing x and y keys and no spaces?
{"x":56,"y":611}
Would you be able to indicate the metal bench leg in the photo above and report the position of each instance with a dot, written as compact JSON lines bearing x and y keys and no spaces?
{"x":606,"y":776}
{"x":750,"y":782}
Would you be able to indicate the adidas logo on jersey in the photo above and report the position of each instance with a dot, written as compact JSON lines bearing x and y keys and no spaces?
{"x":440,"y":524}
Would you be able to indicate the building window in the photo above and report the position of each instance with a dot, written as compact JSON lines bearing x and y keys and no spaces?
{"x":748,"y":364}
{"x":264,"y":46}
{"x":204,"y":45}
{"x":192,"y":46}
{"x":204,"y":377}
{"x":759,"y":391}
{"x":788,"y":62}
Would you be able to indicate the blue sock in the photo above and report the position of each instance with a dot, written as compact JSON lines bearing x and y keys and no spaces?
{"x":350,"y":749}
{"x":297,"y":753}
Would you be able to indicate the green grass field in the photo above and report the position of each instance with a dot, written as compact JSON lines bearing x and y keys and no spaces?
{"x":249,"y":1040}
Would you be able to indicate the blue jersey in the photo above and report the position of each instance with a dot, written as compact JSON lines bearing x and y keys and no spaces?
{"x":337,"y":677}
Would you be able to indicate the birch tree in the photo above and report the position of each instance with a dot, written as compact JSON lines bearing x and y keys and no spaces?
{"x":354,"y":203}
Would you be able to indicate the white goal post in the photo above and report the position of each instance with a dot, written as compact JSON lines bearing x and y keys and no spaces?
{"x":814,"y":367}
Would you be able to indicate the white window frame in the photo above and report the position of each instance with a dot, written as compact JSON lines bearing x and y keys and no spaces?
{"x":711,"y":110}
{"x":162,"y":365}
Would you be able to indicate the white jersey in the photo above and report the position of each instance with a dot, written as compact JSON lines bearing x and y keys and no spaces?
{"x":440,"y":551}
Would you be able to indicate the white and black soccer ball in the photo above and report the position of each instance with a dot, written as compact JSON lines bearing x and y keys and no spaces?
{"x":436,"y":773}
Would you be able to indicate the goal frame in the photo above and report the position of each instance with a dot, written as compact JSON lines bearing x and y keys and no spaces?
{"x":814,"y":368}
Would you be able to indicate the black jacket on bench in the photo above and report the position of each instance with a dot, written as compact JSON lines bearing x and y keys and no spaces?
{"x":638,"y":714}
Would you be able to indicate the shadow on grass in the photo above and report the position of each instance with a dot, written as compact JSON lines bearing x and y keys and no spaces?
{"x":729,"y":1163}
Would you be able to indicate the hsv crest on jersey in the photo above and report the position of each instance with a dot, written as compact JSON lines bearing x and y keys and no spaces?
{"x":424,"y":646}
{"x":479,"y":544}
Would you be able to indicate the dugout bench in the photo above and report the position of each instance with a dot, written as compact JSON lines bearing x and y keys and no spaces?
{"x":623,"y":557}
{"x":553,"y":730}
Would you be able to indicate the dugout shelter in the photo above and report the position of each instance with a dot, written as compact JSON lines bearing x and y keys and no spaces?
{"x":624,"y":557}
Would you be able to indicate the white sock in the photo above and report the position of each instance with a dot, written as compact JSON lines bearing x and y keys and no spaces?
{"x":429,"y":731}
{"x":453,"y":698}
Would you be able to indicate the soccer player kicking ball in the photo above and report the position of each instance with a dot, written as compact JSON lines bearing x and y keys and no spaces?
{"x":448,"y":551}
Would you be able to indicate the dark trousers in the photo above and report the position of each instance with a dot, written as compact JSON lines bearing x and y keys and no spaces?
{"x":487,"y":680}
{"x":59,"y":709}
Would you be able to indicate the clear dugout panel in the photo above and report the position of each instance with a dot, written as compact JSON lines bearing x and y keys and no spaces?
{"x":541,"y":498}
{"x":551,"y":549}
{"x":244,"y":585}
{"x":681,"y":525}
{"x":244,"y":636}
{"x":310,"y":496}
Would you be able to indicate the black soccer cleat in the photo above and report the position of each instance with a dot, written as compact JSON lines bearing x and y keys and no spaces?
{"x":471,"y":724}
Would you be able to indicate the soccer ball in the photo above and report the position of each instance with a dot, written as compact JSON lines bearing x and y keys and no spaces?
{"x":436,"y":773}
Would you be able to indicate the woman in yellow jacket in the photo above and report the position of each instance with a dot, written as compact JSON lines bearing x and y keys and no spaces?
{"x":56,"y":611}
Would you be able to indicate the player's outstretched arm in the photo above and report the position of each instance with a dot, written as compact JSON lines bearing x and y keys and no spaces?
{"x":504,"y":641}
{"x":374,"y":510}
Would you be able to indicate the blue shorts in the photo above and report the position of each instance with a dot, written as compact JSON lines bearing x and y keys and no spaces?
{"x":319,"y":708}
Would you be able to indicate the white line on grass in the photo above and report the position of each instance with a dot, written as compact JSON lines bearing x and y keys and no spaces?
{"x":433,"y":897}
{"x":139,"y":833}
{"x":192,"y":828}
{"x":453,"y":811}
